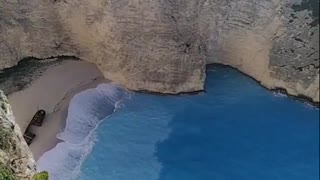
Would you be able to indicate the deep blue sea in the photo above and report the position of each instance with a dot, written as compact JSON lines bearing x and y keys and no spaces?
{"x":236,"y":130}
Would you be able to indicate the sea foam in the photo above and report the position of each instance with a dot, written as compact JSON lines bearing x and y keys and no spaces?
{"x":87,"y":109}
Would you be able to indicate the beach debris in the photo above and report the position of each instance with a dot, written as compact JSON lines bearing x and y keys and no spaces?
{"x":29,"y":136}
{"x":37,"y":120}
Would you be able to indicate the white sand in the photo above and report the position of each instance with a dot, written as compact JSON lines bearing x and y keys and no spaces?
{"x":52,"y":91}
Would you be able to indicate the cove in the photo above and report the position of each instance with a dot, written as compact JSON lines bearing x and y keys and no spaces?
{"x":235,"y":130}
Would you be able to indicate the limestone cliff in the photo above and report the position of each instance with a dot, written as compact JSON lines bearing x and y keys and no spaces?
{"x":274,"y":41}
{"x":30,"y":28}
{"x":164,"y":45}
{"x":16,"y":161}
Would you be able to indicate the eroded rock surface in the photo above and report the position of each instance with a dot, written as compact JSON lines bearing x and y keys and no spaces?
{"x":138,"y":43}
{"x":164,"y":45}
{"x":15,"y":156}
{"x":30,"y":29}
{"x":274,"y":41}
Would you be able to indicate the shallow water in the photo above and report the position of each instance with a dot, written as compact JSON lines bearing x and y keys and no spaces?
{"x":237,"y":130}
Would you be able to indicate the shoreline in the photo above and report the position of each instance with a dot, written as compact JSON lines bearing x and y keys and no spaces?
{"x":56,"y":121}
{"x":300,"y":98}
{"x":52,"y":91}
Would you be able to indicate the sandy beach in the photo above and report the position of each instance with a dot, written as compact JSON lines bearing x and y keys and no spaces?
{"x":52,"y":92}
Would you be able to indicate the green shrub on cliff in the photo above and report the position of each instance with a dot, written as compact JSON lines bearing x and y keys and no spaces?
{"x":41,"y":176}
{"x":6,"y":174}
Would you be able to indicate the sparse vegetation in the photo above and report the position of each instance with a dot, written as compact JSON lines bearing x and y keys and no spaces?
{"x":6,"y":173}
{"x":41,"y":176}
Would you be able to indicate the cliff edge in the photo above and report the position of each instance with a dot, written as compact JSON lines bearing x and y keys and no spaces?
{"x":164,"y":45}
{"x":16,"y":160}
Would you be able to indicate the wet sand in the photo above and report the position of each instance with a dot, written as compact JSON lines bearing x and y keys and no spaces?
{"x":52,"y":92}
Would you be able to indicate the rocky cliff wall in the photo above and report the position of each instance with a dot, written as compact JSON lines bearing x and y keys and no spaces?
{"x":30,"y":29}
{"x":16,"y":161}
{"x":137,"y":43}
{"x":164,"y":45}
{"x":274,"y":41}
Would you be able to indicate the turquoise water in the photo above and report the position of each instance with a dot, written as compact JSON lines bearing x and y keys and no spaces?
{"x":236,"y":130}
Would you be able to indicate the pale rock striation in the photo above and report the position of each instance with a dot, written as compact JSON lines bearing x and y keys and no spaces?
{"x":138,"y":43}
{"x":15,"y":155}
{"x":30,"y":29}
{"x":274,"y":41}
{"x":164,"y":45}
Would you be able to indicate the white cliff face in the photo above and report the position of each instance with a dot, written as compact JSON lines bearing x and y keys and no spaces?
{"x":274,"y":41}
{"x":136,"y":43}
{"x":294,"y":57}
{"x":30,"y":29}
{"x":239,"y":33}
{"x":164,"y":45}
{"x":15,"y":155}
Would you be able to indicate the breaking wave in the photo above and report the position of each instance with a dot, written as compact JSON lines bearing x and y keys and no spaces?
{"x":279,"y":94}
{"x":86,"y":111}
